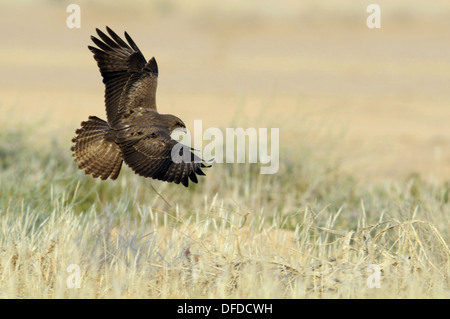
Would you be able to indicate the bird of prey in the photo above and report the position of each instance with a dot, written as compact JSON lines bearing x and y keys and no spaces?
{"x":134,"y":131}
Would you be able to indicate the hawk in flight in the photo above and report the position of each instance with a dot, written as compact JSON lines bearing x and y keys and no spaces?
{"x":134,"y":131}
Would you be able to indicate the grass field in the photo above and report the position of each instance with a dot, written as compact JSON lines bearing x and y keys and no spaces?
{"x":263,"y":237}
{"x":364,"y":178}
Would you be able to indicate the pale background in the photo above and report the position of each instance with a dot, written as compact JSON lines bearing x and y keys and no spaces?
{"x":377,"y":99}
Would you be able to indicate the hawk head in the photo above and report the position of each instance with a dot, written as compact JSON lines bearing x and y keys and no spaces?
{"x":174,"y":122}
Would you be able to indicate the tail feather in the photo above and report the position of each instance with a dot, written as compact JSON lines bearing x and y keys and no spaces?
{"x":94,"y":152}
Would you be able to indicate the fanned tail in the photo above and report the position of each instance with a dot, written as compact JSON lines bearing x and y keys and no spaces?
{"x":95,"y":151}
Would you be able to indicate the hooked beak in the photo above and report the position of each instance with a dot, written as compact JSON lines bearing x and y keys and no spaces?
{"x":182,"y":129}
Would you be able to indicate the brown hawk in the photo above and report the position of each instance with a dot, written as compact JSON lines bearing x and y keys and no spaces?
{"x":135,"y":132}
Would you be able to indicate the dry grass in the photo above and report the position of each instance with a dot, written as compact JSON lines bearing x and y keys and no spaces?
{"x":364,"y":140}
{"x":315,"y":241}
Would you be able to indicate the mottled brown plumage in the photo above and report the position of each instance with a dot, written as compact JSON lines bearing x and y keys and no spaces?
{"x":134,"y":131}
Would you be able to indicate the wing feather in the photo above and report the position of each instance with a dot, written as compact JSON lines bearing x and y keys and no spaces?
{"x":152,"y":157}
{"x":130,"y":81}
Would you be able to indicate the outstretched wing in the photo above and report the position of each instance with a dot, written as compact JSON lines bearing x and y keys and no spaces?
{"x":160,"y":157}
{"x":129,"y":79}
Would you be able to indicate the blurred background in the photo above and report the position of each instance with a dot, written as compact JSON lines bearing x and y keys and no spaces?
{"x":376,"y":100}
